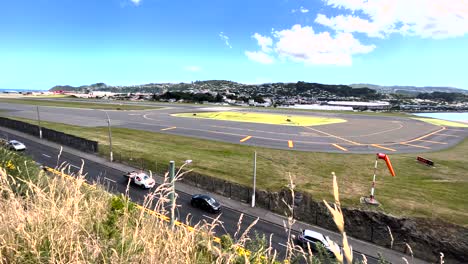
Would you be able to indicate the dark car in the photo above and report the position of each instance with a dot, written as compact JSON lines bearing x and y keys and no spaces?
{"x":206,"y":203}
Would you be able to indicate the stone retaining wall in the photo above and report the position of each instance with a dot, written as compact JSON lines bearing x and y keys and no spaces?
{"x":426,"y":237}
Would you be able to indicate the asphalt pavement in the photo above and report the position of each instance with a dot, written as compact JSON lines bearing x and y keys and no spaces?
{"x":110,"y":175}
{"x":359,"y":134}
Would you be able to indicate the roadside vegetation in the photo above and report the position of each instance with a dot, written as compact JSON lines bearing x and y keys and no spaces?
{"x":48,"y":218}
{"x":417,"y":190}
{"x":80,"y":104}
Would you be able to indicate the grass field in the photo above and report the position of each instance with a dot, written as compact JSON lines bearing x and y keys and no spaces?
{"x":417,"y":190}
{"x":264,"y":118}
{"x":440,"y":122}
{"x":76,"y":104}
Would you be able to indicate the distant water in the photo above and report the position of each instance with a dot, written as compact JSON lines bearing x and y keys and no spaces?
{"x":459,"y":116}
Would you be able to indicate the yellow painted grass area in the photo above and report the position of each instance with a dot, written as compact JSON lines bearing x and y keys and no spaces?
{"x":272,"y":119}
{"x":440,"y":122}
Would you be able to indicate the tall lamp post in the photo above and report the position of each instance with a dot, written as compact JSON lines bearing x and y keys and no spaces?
{"x":39,"y":122}
{"x":254,"y":178}
{"x":110,"y":137}
{"x":172,"y":182}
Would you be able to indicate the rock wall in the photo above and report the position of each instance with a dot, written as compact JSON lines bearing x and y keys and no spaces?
{"x":427,"y":238}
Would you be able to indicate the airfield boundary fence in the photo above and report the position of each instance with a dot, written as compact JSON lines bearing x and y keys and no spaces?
{"x":51,"y":135}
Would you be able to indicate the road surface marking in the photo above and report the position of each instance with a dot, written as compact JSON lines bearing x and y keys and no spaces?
{"x":447,"y":135}
{"x":134,"y":114}
{"x":213,"y":219}
{"x":427,"y":135}
{"x":169,"y":128}
{"x":245,"y":139}
{"x":295,"y":249}
{"x":71,"y":165}
{"x":339,"y":147}
{"x":281,"y":244}
{"x":290,"y":144}
{"x":328,"y":134}
{"x":416,"y":146}
{"x":382,"y":147}
{"x":45,"y":155}
{"x":435,"y":142}
{"x":259,"y":131}
{"x":452,"y":129}
{"x":109,"y":179}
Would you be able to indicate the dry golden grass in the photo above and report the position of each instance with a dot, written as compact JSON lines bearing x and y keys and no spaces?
{"x":66,"y":221}
{"x":63,"y":219}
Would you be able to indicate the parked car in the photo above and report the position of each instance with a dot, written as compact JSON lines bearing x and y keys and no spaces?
{"x":16,"y":145}
{"x":206,"y":203}
{"x":314,"y":239}
{"x":141,"y":179}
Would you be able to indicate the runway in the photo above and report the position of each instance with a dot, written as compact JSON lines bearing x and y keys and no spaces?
{"x":359,"y":134}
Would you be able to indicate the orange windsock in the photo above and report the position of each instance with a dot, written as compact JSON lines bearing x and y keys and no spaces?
{"x":387,"y":160}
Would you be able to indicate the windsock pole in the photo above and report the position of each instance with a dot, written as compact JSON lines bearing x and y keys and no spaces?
{"x":373,"y":180}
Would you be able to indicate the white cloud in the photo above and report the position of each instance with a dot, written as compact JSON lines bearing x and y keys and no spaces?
{"x":302,"y":44}
{"x":225,"y":39}
{"x":259,"y":56}
{"x":193,"y":68}
{"x":380,"y":18}
{"x":264,"y":42}
{"x":136,"y":2}
{"x":301,"y":9}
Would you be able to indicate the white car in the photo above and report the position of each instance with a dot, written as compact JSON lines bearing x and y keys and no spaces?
{"x":141,"y":179}
{"x":16,"y":145}
{"x":313,"y":239}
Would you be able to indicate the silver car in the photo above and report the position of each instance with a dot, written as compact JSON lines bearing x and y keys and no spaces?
{"x":16,"y":145}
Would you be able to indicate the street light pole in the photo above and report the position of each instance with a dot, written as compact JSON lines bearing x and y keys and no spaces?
{"x":110,"y":137}
{"x":39,"y":122}
{"x":171,"y":194}
{"x":254,"y":178}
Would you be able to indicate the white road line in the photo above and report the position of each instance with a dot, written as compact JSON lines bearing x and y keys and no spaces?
{"x":281,"y":244}
{"x":71,"y":165}
{"x":45,"y":155}
{"x":213,"y":219}
{"x":295,"y":249}
{"x":109,"y":179}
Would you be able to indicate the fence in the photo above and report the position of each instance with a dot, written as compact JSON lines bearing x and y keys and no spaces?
{"x":51,"y":135}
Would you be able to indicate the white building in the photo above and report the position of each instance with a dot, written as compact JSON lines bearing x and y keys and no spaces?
{"x":361,"y":105}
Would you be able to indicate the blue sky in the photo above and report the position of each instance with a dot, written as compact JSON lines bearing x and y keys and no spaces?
{"x":123,"y":42}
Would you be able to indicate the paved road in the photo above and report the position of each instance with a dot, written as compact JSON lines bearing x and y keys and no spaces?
{"x":360,"y":134}
{"x":110,"y":175}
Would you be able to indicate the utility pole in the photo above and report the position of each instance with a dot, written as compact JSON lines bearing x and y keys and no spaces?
{"x":39,"y":122}
{"x":110,"y":137}
{"x":171,"y":194}
{"x":254,"y":178}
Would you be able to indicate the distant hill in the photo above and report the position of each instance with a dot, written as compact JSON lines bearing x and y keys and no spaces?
{"x":408,"y":90}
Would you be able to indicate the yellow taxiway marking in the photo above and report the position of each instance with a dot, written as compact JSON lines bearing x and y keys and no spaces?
{"x":435,"y":142}
{"x":382,"y":147}
{"x":290,"y":144}
{"x":328,"y":134}
{"x":245,"y":139}
{"x":447,"y":135}
{"x":169,"y":128}
{"x":339,"y":147}
{"x":416,"y":146}
{"x":427,"y":135}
